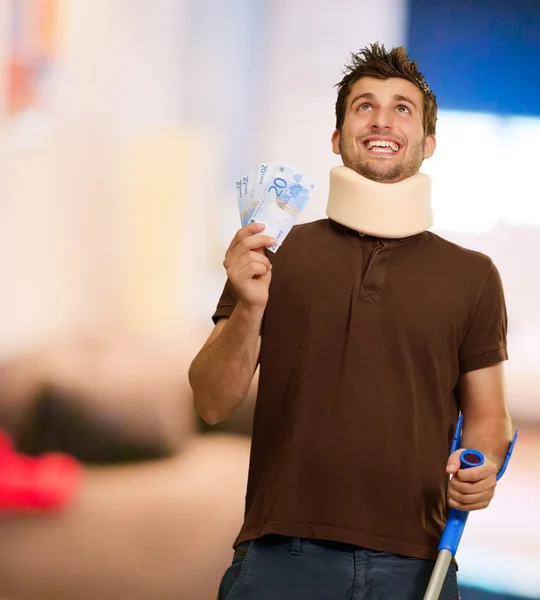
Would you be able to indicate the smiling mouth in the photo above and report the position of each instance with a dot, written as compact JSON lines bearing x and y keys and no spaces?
{"x":382,"y":147}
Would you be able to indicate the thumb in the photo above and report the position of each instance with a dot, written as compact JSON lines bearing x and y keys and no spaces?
{"x":454,"y":463}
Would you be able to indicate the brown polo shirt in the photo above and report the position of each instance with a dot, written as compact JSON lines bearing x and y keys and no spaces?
{"x":363,"y":342}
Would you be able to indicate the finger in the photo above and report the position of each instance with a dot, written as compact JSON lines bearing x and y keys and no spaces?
{"x":242,"y":261}
{"x":468,"y":507}
{"x":469,"y":502}
{"x":454,"y":463}
{"x":251,"y":270}
{"x":471,"y":496}
{"x":250,"y":243}
{"x":477,"y":473}
{"x":247,"y":231}
{"x":466,"y":499}
{"x":472,"y":487}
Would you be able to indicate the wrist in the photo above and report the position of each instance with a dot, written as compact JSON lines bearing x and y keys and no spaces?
{"x":251,"y":312}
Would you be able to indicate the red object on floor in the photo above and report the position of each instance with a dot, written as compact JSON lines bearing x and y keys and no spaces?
{"x":36,"y":483}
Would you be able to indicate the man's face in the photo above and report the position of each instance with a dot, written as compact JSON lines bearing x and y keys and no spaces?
{"x":382,"y":137}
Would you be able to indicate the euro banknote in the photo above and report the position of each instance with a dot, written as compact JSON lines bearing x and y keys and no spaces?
{"x":274,"y":195}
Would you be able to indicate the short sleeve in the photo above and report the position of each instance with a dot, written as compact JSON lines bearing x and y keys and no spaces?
{"x":484,"y":343}
{"x":227,"y":303}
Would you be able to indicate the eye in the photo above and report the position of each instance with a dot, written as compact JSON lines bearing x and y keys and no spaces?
{"x":364,"y":106}
{"x":403,"y":109}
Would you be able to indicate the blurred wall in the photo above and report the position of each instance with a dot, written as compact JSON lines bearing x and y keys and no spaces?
{"x":95,"y":209}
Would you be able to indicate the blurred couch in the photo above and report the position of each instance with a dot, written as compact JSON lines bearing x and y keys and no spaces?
{"x":162,"y":495}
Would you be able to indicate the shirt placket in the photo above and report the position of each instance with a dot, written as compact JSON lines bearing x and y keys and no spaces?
{"x":374,"y":277}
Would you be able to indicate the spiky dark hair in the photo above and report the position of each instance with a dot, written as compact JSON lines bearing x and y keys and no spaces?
{"x":375,"y":61}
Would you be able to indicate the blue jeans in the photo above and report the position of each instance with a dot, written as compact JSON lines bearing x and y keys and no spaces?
{"x":280,"y":568}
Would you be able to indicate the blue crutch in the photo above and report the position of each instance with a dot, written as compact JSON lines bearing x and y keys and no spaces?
{"x":457,"y":518}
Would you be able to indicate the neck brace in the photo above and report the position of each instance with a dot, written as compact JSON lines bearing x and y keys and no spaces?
{"x":386,"y":210}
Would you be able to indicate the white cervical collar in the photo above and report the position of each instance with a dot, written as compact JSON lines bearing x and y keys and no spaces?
{"x":386,"y":210}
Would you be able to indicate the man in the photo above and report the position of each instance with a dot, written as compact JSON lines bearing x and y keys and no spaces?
{"x":369,"y":346}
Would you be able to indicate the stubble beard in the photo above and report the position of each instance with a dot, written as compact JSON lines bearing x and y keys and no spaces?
{"x":383,"y":171}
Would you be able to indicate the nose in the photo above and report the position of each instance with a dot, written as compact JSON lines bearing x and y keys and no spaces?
{"x":381,"y":119}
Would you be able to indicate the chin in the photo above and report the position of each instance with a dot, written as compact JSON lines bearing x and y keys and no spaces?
{"x":379,"y":176}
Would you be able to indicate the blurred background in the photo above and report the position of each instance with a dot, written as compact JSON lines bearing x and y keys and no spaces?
{"x":123,"y":126}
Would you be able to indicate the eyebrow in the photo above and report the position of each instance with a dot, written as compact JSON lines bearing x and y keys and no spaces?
{"x":364,"y":96}
{"x":400,"y":98}
{"x":397,"y":98}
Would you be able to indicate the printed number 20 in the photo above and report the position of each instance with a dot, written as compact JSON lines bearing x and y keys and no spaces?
{"x":278,"y":183}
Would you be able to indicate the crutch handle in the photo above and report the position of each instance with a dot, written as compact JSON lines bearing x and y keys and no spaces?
{"x":457,"y":518}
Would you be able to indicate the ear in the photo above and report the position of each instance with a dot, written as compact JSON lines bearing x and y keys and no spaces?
{"x":336,"y":137}
{"x":429,"y":146}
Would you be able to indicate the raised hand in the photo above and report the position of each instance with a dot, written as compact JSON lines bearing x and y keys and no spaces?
{"x":247,"y":266}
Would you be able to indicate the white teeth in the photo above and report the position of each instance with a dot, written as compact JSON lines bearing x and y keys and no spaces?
{"x":382,"y":144}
